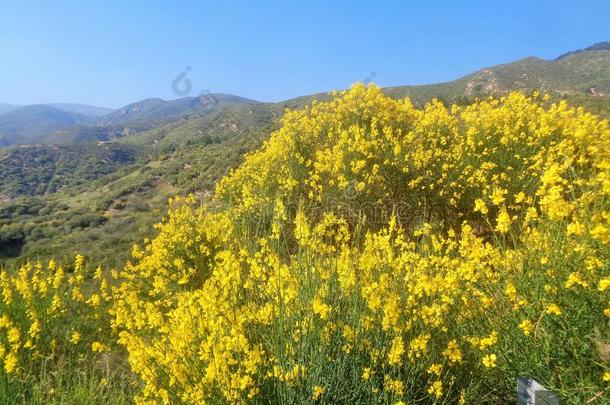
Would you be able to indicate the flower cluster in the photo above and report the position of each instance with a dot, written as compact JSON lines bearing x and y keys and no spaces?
{"x":369,"y":252}
{"x":376,"y":252}
{"x":50,"y":316}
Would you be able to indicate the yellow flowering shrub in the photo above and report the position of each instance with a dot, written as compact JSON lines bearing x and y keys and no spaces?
{"x":373,"y":252}
{"x":49,"y":315}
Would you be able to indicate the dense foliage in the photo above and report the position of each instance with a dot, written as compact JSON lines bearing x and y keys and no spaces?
{"x":54,"y":341}
{"x":104,"y":212}
{"x":374,"y":252}
{"x":39,"y":170}
{"x":369,"y":252}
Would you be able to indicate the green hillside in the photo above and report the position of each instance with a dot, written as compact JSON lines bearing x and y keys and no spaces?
{"x":581,"y":73}
{"x":111,"y":210}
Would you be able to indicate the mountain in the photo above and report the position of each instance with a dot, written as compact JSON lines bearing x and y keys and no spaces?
{"x":53,"y":198}
{"x":76,"y":123}
{"x":26,"y":124}
{"x":584,"y":72}
{"x":4,"y":108}
{"x":575,"y":74}
{"x":156,"y":109}
{"x":89,"y":110}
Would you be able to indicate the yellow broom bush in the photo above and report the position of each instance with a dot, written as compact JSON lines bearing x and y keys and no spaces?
{"x":373,"y":252}
{"x":55,"y":340}
{"x":369,"y":252}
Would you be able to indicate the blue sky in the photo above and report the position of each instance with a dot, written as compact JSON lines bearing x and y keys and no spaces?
{"x":111,"y":53}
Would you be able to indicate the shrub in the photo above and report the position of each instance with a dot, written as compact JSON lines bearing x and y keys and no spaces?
{"x":374,"y":252}
{"x":54,"y":337}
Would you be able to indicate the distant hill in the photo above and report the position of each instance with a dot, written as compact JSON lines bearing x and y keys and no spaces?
{"x":4,"y":108}
{"x":584,"y":72}
{"x":26,"y":124}
{"x":89,"y":110}
{"x":77,"y":123}
{"x":156,"y":109}
{"x":580,"y":73}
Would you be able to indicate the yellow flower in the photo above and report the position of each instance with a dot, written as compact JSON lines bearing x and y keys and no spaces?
{"x":575,"y":228}
{"x":10,"y":362}
{"x":452,"y":352}
{"x":79,"y":262}
{"x":479,"y":205}
{"x":489,"y":361}
{"x":526,"y":326}
{"x":604,"y":284}
{"x":435,"y":369}
{"x":98,"y":347}
{"x":394,"y":386}
{"x":601,"y":233}
{"x":503,"y":221}
{"x":575,"y":279}
{"x":487,"y":341}
{"x":75,"y":338}
{"x":13,"y":336}
{"x":436,"y":389}
{"x":396,"y":352}
{"x":320,"y":308}
{"x":317,"y":392}
{"x":418,"y":346}
{"x":498,"y":196}
{"x":606,"y":376}
{"x":34,"y":329}
{"x":553,"y":309}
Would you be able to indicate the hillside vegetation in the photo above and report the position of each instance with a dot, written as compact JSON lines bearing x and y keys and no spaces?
{"x":106,"y":197}
{"x":576,"y":74}
{"x":369,"y":252}
{"x":43,"y":170}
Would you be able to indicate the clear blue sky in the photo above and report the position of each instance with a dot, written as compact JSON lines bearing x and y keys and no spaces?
{"x":111,"y":53}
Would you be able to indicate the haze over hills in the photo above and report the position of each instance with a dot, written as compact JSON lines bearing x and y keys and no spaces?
{"x":154,"y":149}
{"x":26,"y":124}
{"x":156,"y":109}
{"x":84,"y":109}
{"x":69,"y":123}
{"x":4,"y":108}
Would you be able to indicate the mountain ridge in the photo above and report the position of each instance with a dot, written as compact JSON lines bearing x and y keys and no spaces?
{"x":85,"y":109}
{"x":30,"y":122}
